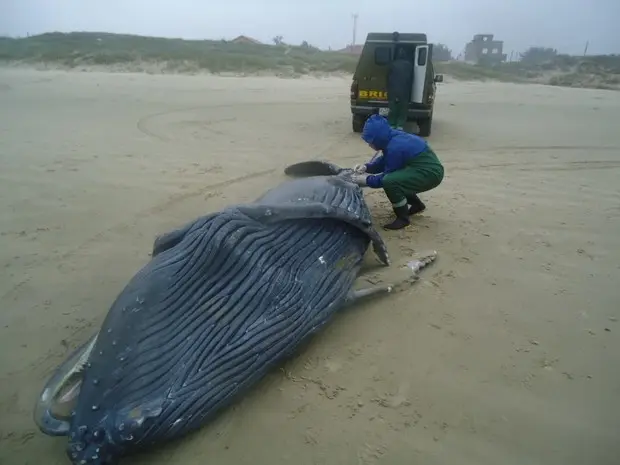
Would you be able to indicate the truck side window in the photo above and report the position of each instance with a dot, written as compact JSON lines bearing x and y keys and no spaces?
{"x":383,"y":55}
{"x":422,"y":57}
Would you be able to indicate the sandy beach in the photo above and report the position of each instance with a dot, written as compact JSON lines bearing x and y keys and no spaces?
{"x":506,"y":352}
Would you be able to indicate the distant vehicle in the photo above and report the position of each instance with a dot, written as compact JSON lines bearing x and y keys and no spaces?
{"x":369,"y":86}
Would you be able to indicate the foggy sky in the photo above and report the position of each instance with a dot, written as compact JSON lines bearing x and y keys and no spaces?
{"x":562,"y":24}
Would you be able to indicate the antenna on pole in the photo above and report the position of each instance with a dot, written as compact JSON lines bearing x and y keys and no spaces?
{"x":355,"y":16}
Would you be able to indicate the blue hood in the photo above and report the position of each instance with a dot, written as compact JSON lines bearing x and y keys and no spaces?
{"x":377,"y":131}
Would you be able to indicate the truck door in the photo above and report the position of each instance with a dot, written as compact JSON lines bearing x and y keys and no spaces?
{"x":371,"y":73}
{"x":419,"y":73}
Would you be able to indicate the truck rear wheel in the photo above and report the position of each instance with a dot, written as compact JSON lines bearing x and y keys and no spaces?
{"x":358,"y":123}
{"x":424,"y":126}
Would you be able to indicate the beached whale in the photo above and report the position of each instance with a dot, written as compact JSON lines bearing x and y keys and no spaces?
{"x":221,"y":301}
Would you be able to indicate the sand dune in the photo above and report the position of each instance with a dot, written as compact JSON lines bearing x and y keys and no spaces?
{"x":507,"y":352}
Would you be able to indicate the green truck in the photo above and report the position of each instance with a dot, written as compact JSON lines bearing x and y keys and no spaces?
{"x":369,"y":86}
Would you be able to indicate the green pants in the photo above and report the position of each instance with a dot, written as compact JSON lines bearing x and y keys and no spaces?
{"x":397,"y":117}
{"x":420,"y":174}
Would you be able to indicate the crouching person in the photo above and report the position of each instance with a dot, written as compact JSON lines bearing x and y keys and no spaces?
{"x":406,"y":167}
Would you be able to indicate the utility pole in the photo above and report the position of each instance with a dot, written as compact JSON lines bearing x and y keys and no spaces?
{"x":355,"y":16}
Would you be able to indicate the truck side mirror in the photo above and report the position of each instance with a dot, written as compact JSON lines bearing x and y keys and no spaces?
{"x":438,"y":78}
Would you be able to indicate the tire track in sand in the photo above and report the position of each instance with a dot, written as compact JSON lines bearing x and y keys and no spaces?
{"x":545,"y":166}
{"x":123,"y":226}
{"x":142,"y":123}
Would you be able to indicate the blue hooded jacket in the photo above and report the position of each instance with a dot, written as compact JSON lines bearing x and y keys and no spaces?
{"x":398,"y":148}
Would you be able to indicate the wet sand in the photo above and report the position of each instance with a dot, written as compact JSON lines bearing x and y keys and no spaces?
{"x":506,"y":352}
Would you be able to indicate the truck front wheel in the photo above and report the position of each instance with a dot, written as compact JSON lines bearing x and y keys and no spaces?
{"x":424,"y":126}
{"x":358,"y":123}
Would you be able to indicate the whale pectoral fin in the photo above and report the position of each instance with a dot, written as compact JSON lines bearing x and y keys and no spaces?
{"x":360,"y":294}
{"x":168,"y":240}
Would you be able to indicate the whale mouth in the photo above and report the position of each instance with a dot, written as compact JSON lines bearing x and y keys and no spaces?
{"x":54,"y":407}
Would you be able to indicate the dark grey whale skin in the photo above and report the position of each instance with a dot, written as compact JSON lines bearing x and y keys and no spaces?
{"x":221,"y":301}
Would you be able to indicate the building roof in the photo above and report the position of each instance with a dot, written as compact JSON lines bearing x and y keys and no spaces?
{"x":243,"y":38}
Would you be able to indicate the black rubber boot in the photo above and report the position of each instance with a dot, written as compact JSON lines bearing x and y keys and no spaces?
{"x":417,"y":206}
{"x":402,"y":219}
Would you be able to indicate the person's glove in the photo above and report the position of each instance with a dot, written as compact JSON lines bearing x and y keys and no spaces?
{"x":359,"y":180}
{"x":359,"y":169}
